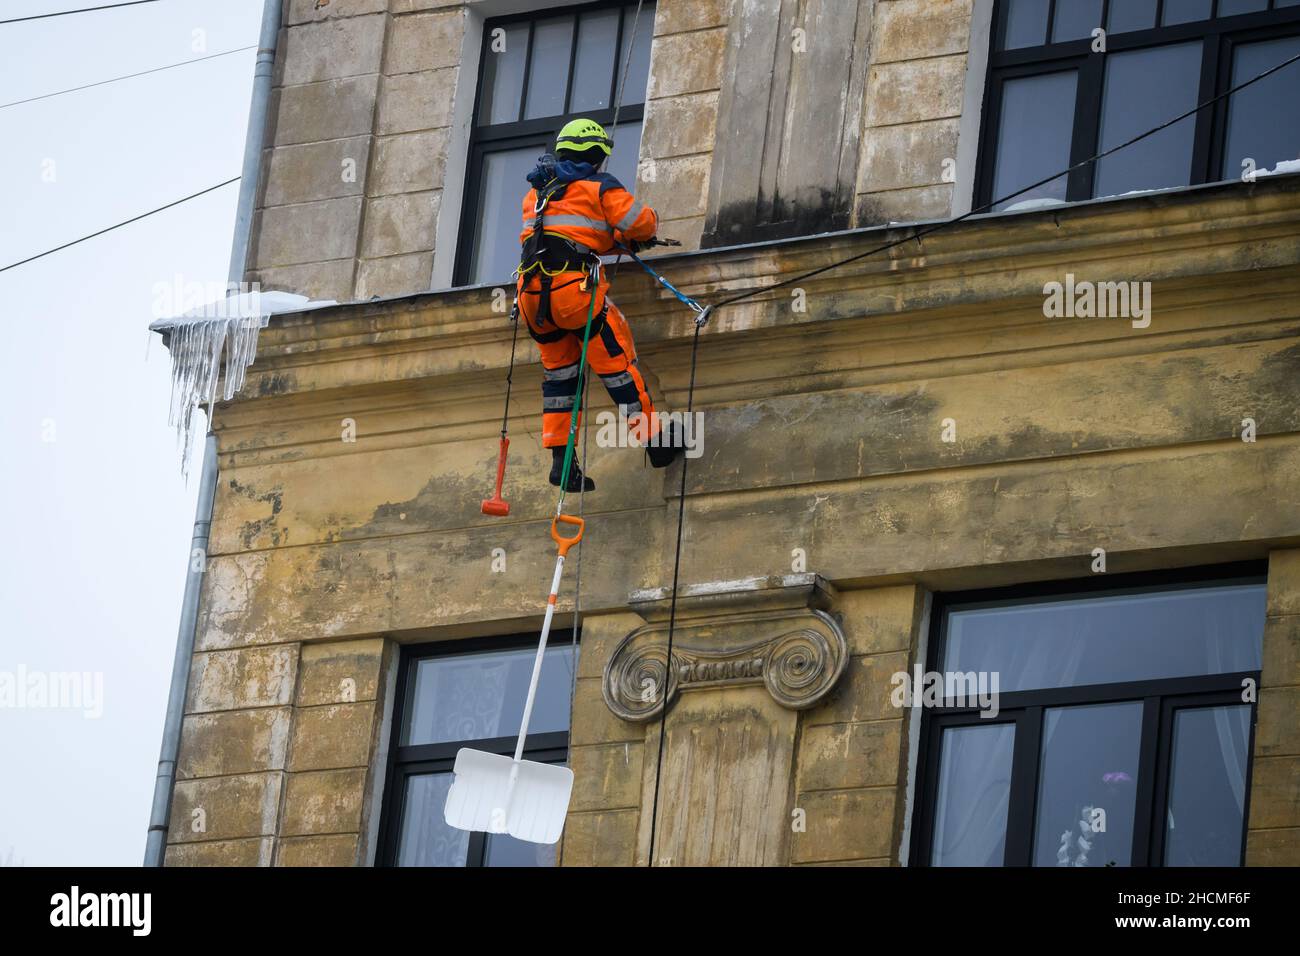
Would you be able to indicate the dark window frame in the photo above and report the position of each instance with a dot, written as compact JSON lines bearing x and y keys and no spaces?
{"x":1219,"y":37}
{"x":1160,"y":698}
{"x":405,"y":761}
{"x":485,"y":138}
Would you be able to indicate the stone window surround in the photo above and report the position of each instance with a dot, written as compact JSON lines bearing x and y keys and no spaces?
{"x":444,"y":260}
{"x":972,"y":107}
{"x":1262,"y":572}
{"x":391,"y":769}
{"x":978,"y":47}
{"x":453,"y":191}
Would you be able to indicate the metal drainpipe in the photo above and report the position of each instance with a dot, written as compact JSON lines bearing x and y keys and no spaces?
{"x":160,"y":815}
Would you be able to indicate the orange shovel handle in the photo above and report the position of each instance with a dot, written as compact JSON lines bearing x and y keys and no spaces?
{"x":562,"y":542}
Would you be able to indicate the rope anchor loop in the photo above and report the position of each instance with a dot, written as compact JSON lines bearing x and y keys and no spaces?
{"x":701,"y":311}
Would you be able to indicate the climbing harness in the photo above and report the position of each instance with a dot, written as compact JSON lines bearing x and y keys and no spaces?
{"x":548,"y":255}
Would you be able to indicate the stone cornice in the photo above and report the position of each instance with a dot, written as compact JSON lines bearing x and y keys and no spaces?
{"x":1227,"y":233}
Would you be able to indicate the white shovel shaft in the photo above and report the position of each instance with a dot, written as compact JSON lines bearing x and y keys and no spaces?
{"x":494,"y":794}
{"x":537,"y":661}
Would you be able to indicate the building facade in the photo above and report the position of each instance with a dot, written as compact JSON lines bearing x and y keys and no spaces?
{"x":991,"y":541}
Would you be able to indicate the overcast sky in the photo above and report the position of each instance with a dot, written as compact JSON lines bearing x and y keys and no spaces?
{"x":95,"y":516}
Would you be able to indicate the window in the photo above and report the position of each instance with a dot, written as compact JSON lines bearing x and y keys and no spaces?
{"x":538,"y":71}
{"x":1052,"y":101}
{"x":467,"y":694}
{"x":1121,"y":735}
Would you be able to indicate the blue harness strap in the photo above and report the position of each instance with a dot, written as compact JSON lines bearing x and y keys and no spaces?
{"x":701,"y":311}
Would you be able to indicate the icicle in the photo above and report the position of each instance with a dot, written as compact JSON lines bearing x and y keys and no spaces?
{"x":220,"y":336}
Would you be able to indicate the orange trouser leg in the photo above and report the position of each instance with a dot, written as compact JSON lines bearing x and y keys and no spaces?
{"x":560,"y":348}
{"x":559,"y":388}
{"x":611,"y":353}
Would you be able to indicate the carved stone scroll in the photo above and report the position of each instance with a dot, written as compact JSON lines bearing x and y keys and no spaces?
{"x":797,"y":654}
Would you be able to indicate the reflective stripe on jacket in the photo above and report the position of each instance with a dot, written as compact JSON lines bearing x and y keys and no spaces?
{"x":596,"y":212}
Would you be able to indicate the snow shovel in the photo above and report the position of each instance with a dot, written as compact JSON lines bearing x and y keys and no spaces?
{"x":492,"y":793}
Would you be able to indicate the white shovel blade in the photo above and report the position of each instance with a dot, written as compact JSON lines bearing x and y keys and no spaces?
{"x":480,"y":797}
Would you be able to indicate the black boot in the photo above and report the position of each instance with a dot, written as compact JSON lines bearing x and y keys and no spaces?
{"x":577,"y":480}
{"x":665,"y":447}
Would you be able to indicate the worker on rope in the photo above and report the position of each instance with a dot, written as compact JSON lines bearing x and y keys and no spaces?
{"x":573,"y":214}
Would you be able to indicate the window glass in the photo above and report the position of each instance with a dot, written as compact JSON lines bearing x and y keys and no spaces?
{"x":503,"y":77}
{"x":548,"y":73}
{"x":505,"y":850}
{"x":500,"y":201}
{"x":1230,"y":8}
{"x":1264,"y":118}
{"x":1026,"y":24}
{"x":1131,"y":15}
{"x":1075,"y":19}
{"x":1034,"y":135}
{"x":638,"y":73}
{"x":425,"y":838}
{"x":593,"y":69}
{"x":553,"y":68}
{"x":1110,"y":639}
{"x":622,"y":162}
{"x":1087,"y":789}
{"x":1185,"y":11}
{"x":479,"y":696}
{"x":1144,"y":88}
{"x":970,"y":823}
{"x":1207,"y":786}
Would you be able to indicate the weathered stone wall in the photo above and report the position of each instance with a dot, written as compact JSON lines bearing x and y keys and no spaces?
{"x":1273,"y":838}
{"x":281,"y":754}
{"x":822,"y":432}
{"x":913,"y":111}
{"x":681,"y":114}
{"x":764,"y":119}
{"x":352,"y":179}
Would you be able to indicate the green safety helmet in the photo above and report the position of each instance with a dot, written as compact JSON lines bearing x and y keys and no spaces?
{"x":581,"y":135}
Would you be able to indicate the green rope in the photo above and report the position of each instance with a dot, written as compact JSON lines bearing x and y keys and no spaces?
{"x":578,"y":398}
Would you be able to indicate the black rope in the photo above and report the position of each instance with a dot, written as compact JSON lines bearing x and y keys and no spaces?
{"x":583,"y":382}
{"x":622,"y":83}
{"x":510,"y":372}
{"x":695,"y":345}
{"x":64,"y":13}
{"x":672,"y":606}
{"x":929,"y":230}
{"x":128,"y":76}
{"x":127,"y":222}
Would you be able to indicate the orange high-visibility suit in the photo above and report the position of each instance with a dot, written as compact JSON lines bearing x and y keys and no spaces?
{"x":594,"y":213}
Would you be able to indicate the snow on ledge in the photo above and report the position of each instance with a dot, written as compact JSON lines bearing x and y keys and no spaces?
{"x":197,"y":340}
{"x":1281,"y":169}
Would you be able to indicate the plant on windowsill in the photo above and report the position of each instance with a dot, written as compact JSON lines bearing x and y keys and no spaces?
{"x":1074,"y":849}
{"x":1080,"y":845}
